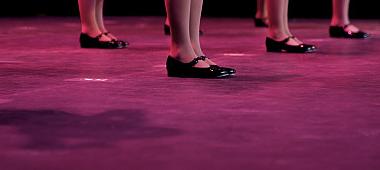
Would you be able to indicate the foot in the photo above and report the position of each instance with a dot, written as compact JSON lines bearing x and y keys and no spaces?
{"x":351,"y":28}
{"x":207,"y":60}
{"x":176,"y":68}
{"x":99,"y":41}
{"x":113,"y":38}
{"x":101,"y":36}
{"x":230,"y":71}
{"x":347,"y":31}
{"x":199,"y":64}
{"x":289,"y":45}
{"x":291,"y":40}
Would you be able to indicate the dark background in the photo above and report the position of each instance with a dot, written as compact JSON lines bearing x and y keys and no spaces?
{"x":213,"y":8}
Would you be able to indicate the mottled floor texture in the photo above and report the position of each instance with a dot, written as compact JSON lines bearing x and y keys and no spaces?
{"x":67,"y":108}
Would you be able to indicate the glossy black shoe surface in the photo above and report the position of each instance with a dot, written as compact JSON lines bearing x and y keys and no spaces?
{"x":230,"y":71}
{"x":94,"y":42}
{"x":167,"y":30}
{"x":122,"y":43}
{"x":176,"y":68}
{"x":260,"y":22}
{"x":340,"y":32}
{"x":282,"y":46}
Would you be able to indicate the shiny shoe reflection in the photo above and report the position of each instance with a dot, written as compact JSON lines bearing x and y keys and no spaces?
{"x":124,"y":44}
{"x":230,"y":71}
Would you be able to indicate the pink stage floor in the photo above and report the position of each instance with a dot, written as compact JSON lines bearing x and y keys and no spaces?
{"x":67,"y":108}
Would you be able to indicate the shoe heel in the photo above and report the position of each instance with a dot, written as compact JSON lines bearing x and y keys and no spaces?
{"x":85,"y":41}
{"x":335,"y":32}
{"x":84,"y":44}
{"x":273,"y":46}
{"x":274,"y":49}
{"x":173,"y":75}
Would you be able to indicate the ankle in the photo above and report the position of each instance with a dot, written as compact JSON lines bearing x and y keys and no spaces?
{"x":278,"y":37}
{"x":339,"y":22}
{"x":277,"y":34}
{"x":182,"y":50}
{"x":260,"y":15}
{"x":188,"y":59}
{"x":183,"y":57}
{"x":198,"y":51}
{"x":91,"y":33}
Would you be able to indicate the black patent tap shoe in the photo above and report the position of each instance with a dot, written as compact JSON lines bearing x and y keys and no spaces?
{"x":87,"y":41}
{"x":230,"y":71}
{"x":282,"y":46}
{"x":122,"y":43}
{"x":260,"y":22}
{"x":176,"y":68}
{"x":340,"y":32}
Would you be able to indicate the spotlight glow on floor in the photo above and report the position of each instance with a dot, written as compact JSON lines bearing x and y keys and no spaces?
{"x":237,"y":54}
{"x":92,"y":80}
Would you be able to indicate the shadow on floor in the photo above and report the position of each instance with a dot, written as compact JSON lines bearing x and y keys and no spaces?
{"x":54,"y":130}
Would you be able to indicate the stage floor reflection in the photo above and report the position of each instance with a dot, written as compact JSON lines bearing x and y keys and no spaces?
{"x":63,"y":107}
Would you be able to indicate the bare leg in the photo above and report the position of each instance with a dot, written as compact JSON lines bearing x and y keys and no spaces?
{"x":340,"y":12}
{"x":179,"y":17}
{"x":278,"y":21}
{"x":261,"y":9}
{"x":100,"y":20}
{"x":87,"y":17}
{"x":195,"y":20}
{"x":285,"y":17}
{"x":286,"y":21}
{"x":99,"y":15}
{"x":340,"y":16}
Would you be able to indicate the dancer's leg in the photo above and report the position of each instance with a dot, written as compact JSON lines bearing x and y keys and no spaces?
{"x":261,"y":9}
{"x":179,"y":17}
{"x":340,"y":16}
{"x":100,"y":20}
{"x":278,"y":21}
{"x":88,"y":17}
{"x":195,"y":20}
{"x":285,"y":17}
